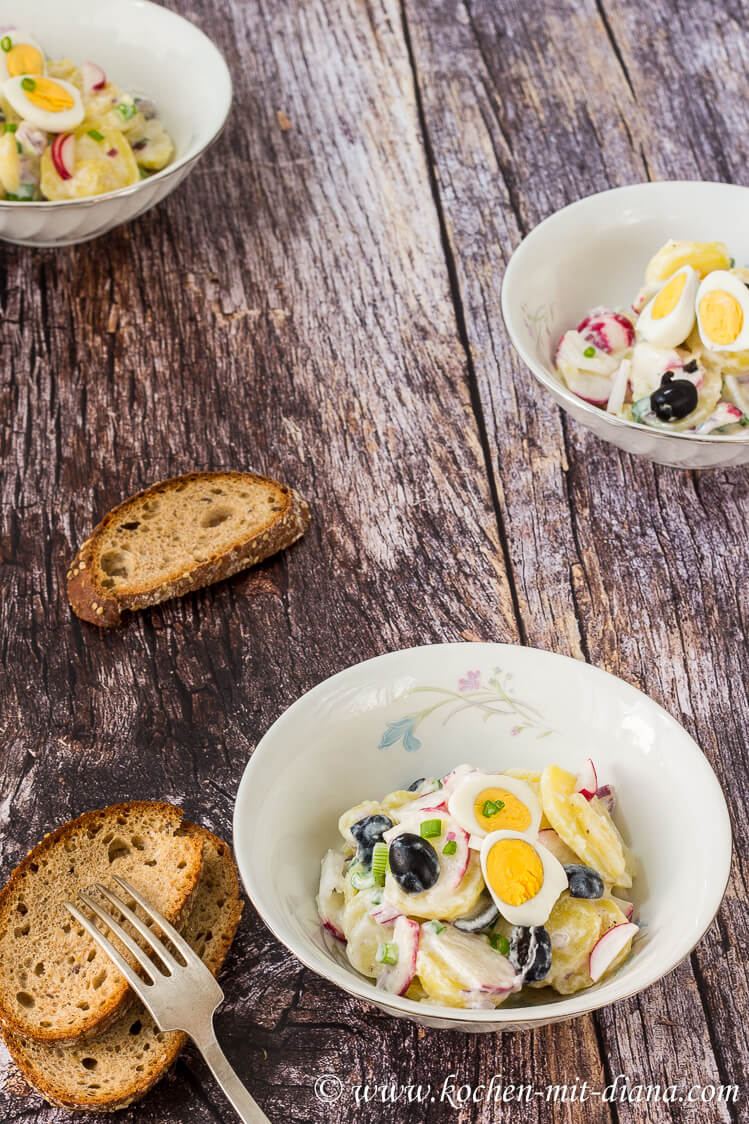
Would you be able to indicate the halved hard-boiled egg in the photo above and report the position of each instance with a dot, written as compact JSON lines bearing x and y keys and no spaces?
{"x":48,"y":103}
{"x":723,"y":312}
{"x":490,"y":802}
{"x":522,"y":876}
{"x":19,"y":54}
{"x":668,"y":318}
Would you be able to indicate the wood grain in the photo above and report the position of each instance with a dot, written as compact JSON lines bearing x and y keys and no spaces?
{"x":327,"y":311}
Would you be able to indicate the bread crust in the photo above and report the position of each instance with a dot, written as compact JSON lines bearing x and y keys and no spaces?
{"x":93,"y":603}
{"x":58,"y":1095}
{"x":122,"y":996}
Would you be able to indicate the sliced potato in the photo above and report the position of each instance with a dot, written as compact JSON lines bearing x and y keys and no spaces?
{"x":96,"y":171}
{"x":584,"y":825}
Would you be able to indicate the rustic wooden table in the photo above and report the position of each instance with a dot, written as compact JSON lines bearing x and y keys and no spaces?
{"x":320,"y":301}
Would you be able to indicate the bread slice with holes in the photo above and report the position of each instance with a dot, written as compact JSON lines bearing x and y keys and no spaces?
{"x":126,"y":1059}
{"x":56,"y":985}
{"x":178,"y":536}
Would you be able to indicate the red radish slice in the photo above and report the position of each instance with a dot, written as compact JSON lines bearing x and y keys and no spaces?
{"x":451,"y":780}
{"x":384,"y":914}
{"x":595,"y":389}
{"x":330,"y":901}
{"x":627,"y":908}
{"x":94,"y":77}
{"x":397,"y":978}
{"x":422,"y":804}
{"x":619,"y":385}
{"x":608,"y":947}
{"x":606,"y":795}
{"x":62,"y":152}
{"x":608,"y":331}
{"x":724,"y":414}
{"x":587,"y":781}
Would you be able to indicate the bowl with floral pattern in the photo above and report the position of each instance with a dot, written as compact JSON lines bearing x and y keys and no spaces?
{"x":381,"y":724}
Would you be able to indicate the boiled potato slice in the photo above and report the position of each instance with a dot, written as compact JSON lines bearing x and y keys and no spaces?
{"x":462,"y":969}
{"x":703,"y":257}
{"x":534,"y":780}
{"x":353,"y":815}
{"x":575,"y":925}
{"x":584,"y":825}
{"x":95,"y":171}
{"x":441,"y":902}
{"x":363,"y":934}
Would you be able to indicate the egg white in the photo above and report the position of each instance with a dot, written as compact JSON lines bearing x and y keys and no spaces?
{"x":728,"y":283}
{"x":462,"y":801}
{"x":17,"y":37}
{"x":537,"y":909}
{"x":43,"y":119}
{"x":673,"y":328}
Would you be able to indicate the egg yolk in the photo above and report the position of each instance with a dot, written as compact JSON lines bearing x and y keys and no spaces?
{"x":50,"y":96}
{"x":24,"y":59}
{"x":514,"y":871}
{"x":491,"y":816}
{"x":721,"y":316}
{"x":669,"y":296}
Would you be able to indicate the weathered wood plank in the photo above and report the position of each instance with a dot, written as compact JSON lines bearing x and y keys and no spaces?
{"x":613,"y":559}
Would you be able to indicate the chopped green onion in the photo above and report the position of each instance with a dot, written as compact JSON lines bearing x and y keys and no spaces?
{"x":96,"y":135}
{"x":589,"y":352}
{"x":379,"y":862}
{"x":19,"y":146}
{"x":732,"y":262}
{"x":377,"y":896}
{"x":387,"y":953}
{"x":491,"y":807}
{"x":499,"y":943}
{"x":450,"y":847}
{"x":5,"y":43}
{"x":143,"y":173}
{"x":641,"y":408}
{"x":10,"y":127}
{"x":28,"y":83}
{"x":430,"y":829}
{"x":362,"y":880}
{"x":126,"y":111}
{"x":23,"y":195}
{"x":437,"y":927}
{"x":744,"y":420}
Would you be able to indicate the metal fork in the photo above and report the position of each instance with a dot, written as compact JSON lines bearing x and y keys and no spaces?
{"x":179,"y":996}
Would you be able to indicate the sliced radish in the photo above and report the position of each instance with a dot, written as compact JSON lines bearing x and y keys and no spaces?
{"x":469,"y":961}
{"x":619,"y":386}
{"x":422,"y":803}
{"x":94,"y":77}
{"x":723,"y":414}
{"x":452,"y":867}
{"x":384,"y":914}
{"x":606,"y":330}
{"x":608,"y":947}
{"x":627,"y":908}
{"x":452,"y":779}
{"x":330,"y":900}
{"x":595,"y":389}
{"x":587,"y":781}
{"x":396,"y":978}
{"x":62,"y":152}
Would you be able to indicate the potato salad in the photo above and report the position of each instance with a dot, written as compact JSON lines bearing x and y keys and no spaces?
{"x":676,"y":360}
{"x":467,"y":888}
{"x":67,"y":132}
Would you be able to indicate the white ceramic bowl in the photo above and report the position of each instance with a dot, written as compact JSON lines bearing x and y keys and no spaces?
{"x":358,"y":736}
{"x":594,"y":252}
{"x":145,"y":49}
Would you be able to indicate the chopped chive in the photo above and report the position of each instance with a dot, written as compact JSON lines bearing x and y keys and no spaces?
{"x":744,"y":420}
{"x":437,"y":927}
{"x":732,"y":262}
{"x":19,"y":146}
{"x":430,"y":829}
{"x":499,"y":943}
{"x":10,"y":127}
{"x":377,"y":896}
{"x":491,"y":807}
{"x":96,"y":135}
{"x":362,"y":880}
{"x":450,"y":847}
{"x":387,"y":953}
{"x":126,"y":111}
{"x":28,"y":83}
{"x":5,"y":43}
{"x":379,"y":863}
{"x":589,"y":352}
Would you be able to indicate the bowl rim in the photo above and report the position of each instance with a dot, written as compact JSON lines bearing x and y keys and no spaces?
{"x":563,"y":1008}
{"x":43,"y":205}
{"x":514,"y":266}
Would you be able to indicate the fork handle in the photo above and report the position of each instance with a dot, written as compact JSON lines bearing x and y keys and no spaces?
{"x":232,"y":1087}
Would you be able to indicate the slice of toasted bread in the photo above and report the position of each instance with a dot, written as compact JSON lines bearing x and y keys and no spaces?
{"x":56,"y":984}
{"x":122,"y":1063}
{"x":178,"y":536}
